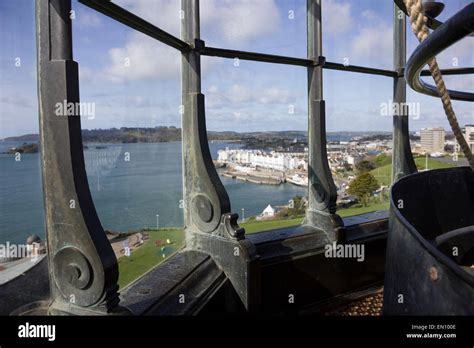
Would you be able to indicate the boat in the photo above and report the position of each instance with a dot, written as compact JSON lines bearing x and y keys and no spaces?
{"x":298,"y":179}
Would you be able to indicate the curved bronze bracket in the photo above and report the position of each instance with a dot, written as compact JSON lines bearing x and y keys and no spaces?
{"x":209,"y":225}
{"x":206,"y":197}
{"x":83,"y":267}
{"x":322,"y":194}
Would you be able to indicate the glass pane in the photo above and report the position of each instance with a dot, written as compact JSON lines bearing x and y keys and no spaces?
{"x":21,"y":201}
{"x":358,"y":32}
{"x":22,"y":232}
{"x":165,"y":14}
{"x":355,"y":33}
{"x":266,"y":26}
{"x":359,"y":139}
{"x":132,"y":140}
{"x":257,"y":120}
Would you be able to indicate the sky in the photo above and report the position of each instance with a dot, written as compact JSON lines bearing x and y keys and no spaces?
{"x":134,"y":81}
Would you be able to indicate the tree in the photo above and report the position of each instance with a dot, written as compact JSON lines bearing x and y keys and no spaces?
{"x":382,"y":160}
{"x":363,"y":186}
{"x":365,"y":166}
{"x":347,"y":166}
{"x":296,"y":207}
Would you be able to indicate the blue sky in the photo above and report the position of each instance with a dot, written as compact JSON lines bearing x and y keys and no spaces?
{"x":248,"y":97}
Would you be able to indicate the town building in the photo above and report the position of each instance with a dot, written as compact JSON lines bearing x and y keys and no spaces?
{"x":432,"y":139}
{"x":469,"y":135}
{"x":268,"y":213}
{"x":270,"y":160}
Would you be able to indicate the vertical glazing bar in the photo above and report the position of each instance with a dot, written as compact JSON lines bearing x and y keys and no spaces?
{"x":402,"y":158}
{"x":209,"y":225}
{"x":82,"y":265}
{"x":190,"y":32}
{"x":204,"y":195}
{"x":322,"y":193}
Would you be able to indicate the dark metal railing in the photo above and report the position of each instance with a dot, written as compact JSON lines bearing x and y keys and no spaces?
{"x":457,"y":27}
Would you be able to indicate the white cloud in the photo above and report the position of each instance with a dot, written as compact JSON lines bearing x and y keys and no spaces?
{"x":162,"y":13}
{"x":86,"y":74}
{"x":229,"y":20}
{"x":143,"y":58}
{"x":17,"y":101}
{"x":337,"y":17}
{"x":238,"y":94}
{"x":240,"y":20}
{"x":364,"y":40}
{"x":374,"y":43}
{"x":369,"y":15}
{"x":89,"y":19}
{"x":275,"y":95}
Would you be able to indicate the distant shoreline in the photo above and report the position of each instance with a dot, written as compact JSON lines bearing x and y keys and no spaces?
{"x":168,"y":134}
{"x":24,"y":148}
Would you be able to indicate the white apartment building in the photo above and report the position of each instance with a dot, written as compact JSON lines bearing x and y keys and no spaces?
{"x":256,"y":158}
{"x":432,"y":139}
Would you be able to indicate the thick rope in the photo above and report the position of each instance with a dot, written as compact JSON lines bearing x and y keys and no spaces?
{"x":418,"y":25}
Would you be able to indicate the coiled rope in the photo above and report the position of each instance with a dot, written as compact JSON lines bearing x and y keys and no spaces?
{"x":418,"y":25}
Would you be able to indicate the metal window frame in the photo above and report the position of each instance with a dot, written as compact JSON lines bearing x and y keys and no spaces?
{"x":76,"y":237}
{"x":321,"y":213}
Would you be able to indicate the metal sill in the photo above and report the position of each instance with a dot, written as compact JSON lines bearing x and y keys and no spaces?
{"x":300,"y":241}
{"x":357,"y":226}
{"x":179,"y":286}
{"x":196,"y":276}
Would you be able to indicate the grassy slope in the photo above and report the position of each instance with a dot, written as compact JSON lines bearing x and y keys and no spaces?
{"x":260,"y":226}
{"x":383,"y":174}
{"x":148,"y":255}
{"x":371,"y":207}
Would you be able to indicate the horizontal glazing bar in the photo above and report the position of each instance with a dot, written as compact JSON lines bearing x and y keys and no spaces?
{"x":123,"y":16}
{"x":269,"y":58}
{"x":360,"y":69}
{"x":259,"y":57}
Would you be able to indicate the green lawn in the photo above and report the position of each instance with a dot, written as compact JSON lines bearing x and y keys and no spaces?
{"x":148,"y":255}
{"x":371,"y":207}
{"x":383,"y":174}
{"x":260,"y":226}
{"x":432,"y":163}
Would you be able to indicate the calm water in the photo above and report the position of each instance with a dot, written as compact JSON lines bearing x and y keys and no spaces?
{"x":127,"y":194}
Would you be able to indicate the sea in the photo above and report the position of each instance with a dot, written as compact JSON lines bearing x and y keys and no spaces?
{"x":133,"y":186}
